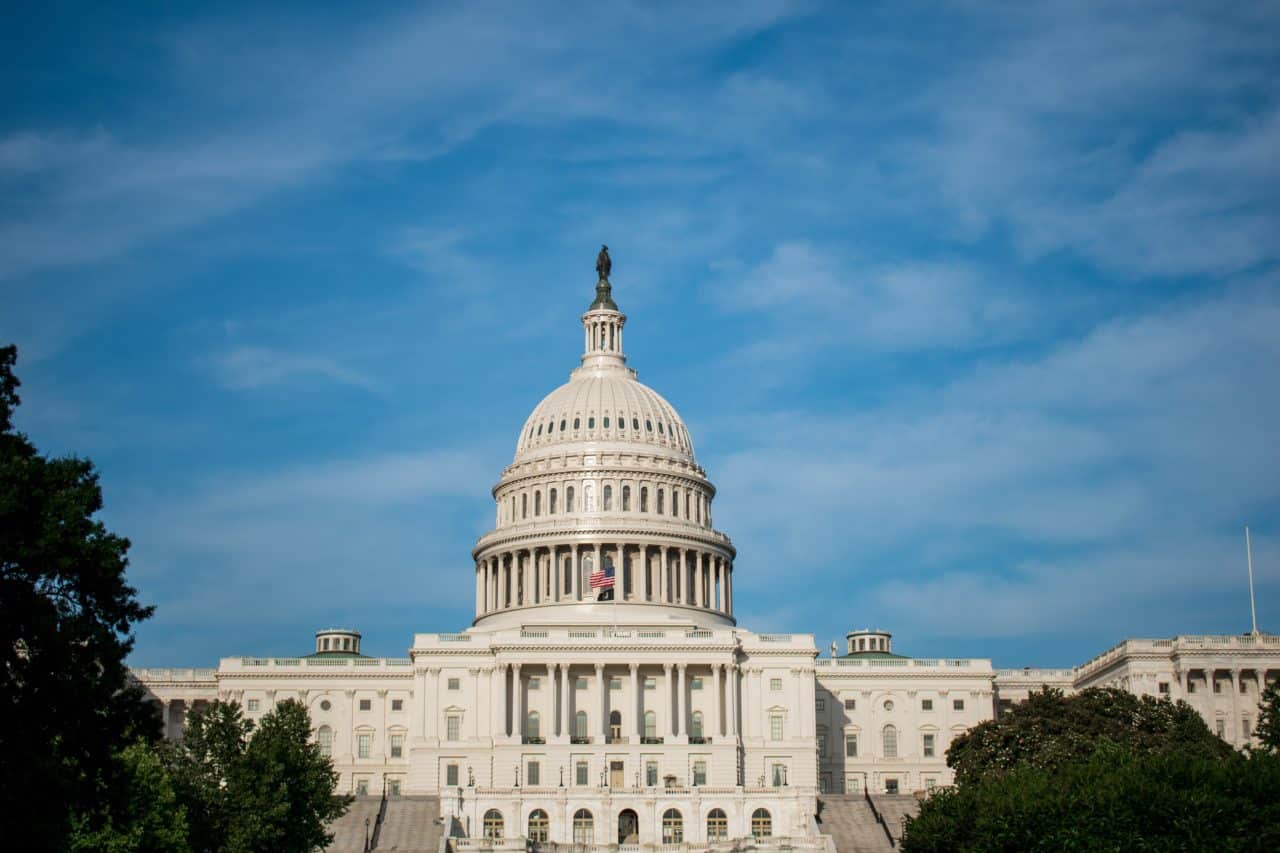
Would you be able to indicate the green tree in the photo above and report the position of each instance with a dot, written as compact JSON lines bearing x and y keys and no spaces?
{"x":1050,"y":729}
{"x":1116,"y":799}
{"x":1268,"y":730}
{"x":66,"y":617}
{"x":251,"y":789}
{"x":141,"y":815}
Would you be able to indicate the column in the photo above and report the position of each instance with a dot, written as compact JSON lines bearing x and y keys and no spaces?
{"x":517,"y":703}
{"x":620,"y":569}
{"x":164,"y":717}
{"x":728,"y":580}
{"x":431,"y":705}
{"x":499,"y":708}
{"x":575,"y":572}
{"x":566,"y":682}
{"x":668,"y":689}
{"x":699,"y":596}
{"x":717,"y":700}
{"x":479,"y":589}
{"x":1234,"y":730}
{"x":684,"y":580}
{"x":504,"y":580}
{"x":637,"y":707}
{"x":662,"y":575}
{"x":717,"y":582}
{"x":604,"y":701}
{"x":681,"y":716}
{"x":731,"y":673}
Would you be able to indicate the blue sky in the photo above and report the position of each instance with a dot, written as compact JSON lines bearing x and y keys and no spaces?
{"x":973,"y":311}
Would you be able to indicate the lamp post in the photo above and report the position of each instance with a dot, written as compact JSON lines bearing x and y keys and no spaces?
{"x":471,"y":777}
{"x":366,"y":835}
{"x":517,"y":775}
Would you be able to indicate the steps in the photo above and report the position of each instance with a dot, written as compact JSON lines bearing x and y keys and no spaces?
{"x":893,"y":808}
{"x":851,"y":824}
{"x":348,"y":830}
{"x":410,"y":825}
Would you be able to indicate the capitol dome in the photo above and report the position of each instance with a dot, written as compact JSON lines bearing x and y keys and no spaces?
{"x":604,"y":484}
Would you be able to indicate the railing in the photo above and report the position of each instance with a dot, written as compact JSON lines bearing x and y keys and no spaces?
{"x":649,"y":741}
{"x":273,"y":663}
{"x":699,"y":739}
{"x":170,"y":674}
{"x":533,"y":739}
{"x":889,"y":663}
{"x":879,"y":817}
{"x":775,"y":638}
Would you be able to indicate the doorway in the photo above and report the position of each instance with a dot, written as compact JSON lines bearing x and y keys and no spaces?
{"x":891,"y":786}
{"x":628,"y":827}
{"x":615,"y":775}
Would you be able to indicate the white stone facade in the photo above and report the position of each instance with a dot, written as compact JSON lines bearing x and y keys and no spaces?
{"x":651,"y":718}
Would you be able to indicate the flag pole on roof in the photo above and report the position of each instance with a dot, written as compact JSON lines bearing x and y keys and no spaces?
{"x":1248,"y":549}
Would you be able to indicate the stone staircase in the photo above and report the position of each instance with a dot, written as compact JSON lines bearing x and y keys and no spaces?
{"x":851,"y":824}
{"x":348,"y":830}
{"x":410,"y":825}
{"x":893,"y":808}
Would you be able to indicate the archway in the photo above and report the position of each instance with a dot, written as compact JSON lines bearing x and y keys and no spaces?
{"x":628,"y":827}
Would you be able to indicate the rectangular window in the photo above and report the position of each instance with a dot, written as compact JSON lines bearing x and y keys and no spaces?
{"x":397,"y":746}
{"x":453,"y":727}
{"x":1244,"y":687}
{"x":581,"y":774}
{"x":651,"y":773}
{"x":1244,"y":728}
{"x":820,"y":704}
{"x":930,"y":782}
{"x":779,"y":775}
{"x":851,"y":746}
{"x":1163,"y":687}
{"x":455,"y":684}
{"x":534,"y":776}
{"x":451,"y":775}
{"x":397,"y":704}
{"x":651,"y":684}
{"x":699,"y":773}
{"x":1191,"y":687}
{"x":1217,"y":686}
{"x":362,"y":787}
{"x":393,"y":787}
{"x":534,"y":683}
{"x":851,"y":704}
{"x":928,"y":746}
{"x":366,"y":704}
{"x":616,"y":683}
{"x":364,"y":741}
{"x":957,"y":704}
{"x":580,"y":683}
{"x":822,"y":745}
{"x":252,"y":705}
{"x":1222,"y":729}
{"x":775,"y":726}
{"x":775,"y":683}
{"x":926,"y":704}
{"x":695,"y":684}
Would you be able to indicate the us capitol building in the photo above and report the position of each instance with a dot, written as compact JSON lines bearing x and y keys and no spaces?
{"x":605,"y":693}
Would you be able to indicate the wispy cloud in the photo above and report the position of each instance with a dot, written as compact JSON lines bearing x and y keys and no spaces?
{"x":256,"y":367}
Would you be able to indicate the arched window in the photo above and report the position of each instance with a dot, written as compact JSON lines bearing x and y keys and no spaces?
{"x":324,"y":737}
{"x":661,"y":431}
{"x":659,"y":501}
{"x":890,"y":737}
{"x":675,"y":503}
{"x":539,"y":429}
{"x":650,"y":724}
{"x":562,"y":425}
{"x":695,"y":727}
{"x":644,"y":498}
{"x":493,"y":824}
{"x":577,"y":423}
{"x":591,"y":423}
{"x":583,"y":827}
{"x":580,"y":724}
{"x":761,"y":824}
{"x":524,"y":506}
{"x":537,"y":503}
{"x":626,"y":499}
{"x":648,"y":425}
{"x":717,"y":824}
{"x":538,"y":825}
{"x":606,"y":421}
{"x":615,"y":726}
{"x":635,"y":424}
{"x":688,"y":499}
{"x":568,"y":499}
{"x":533,"y":724}
{"x":608,"y":498}
{"x":551,"y":502}
{"x":672,"y":827}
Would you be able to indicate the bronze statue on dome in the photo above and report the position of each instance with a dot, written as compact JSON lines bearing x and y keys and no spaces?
{"x":603,"y":264}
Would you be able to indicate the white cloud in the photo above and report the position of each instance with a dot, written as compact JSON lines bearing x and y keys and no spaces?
{"x":256,"y":367}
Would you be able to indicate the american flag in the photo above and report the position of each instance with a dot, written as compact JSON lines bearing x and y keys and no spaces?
{"x":602,"y":580}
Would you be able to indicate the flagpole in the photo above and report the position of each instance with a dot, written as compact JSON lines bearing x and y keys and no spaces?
{"x":1248,"y":549}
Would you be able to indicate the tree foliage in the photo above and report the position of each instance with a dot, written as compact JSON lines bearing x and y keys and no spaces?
{"x":256,"y":789}
{"x":1050,"y":729}
{"x":1268,"y":729}
{"x":1116,"y":799}
{"x":66,"y":617}
{"x":140,"y":814}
